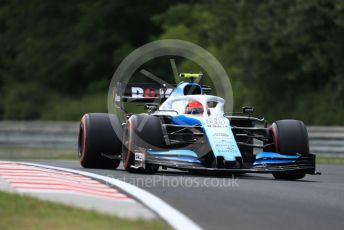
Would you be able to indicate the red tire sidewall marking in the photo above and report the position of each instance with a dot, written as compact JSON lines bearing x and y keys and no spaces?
{"x":83,"y":123}
{"x":130,"y":140}
{"x":275,"y":137}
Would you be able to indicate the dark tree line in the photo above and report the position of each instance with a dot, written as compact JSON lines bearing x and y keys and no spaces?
{"x":285,"y":57}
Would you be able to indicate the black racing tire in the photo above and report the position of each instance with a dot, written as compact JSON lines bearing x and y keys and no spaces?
{"x":97,"y":137}
{"x":143,"y":131}
{"x":290,"y":137}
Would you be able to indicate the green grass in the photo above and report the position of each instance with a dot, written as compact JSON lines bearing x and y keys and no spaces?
{"x":330,"y":160}
{"x":11,"y":152}
{"x":22,"y":212}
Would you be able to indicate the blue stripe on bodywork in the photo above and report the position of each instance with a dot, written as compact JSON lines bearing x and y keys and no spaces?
{"x":272,"y":161}
{"x":176,"y":155}
{"x":179,"y":158}
{"x":184,"y":120}
{"x":276,"y":155}
{"x":183,"y":152}
{"x":179,"y":90}
{"x":275,"y":158}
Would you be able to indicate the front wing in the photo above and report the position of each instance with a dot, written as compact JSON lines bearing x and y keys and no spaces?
{"x":304,"y":163}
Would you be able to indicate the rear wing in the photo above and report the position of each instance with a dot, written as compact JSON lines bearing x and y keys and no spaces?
{"x":145,"y":92}
{"x":141,"y":92}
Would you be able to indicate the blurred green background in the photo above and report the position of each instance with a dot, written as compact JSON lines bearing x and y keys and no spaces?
{"x":284,"y":57}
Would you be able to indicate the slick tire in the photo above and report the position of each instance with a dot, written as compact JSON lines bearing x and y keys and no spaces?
{"x":290,"y":137}
{"x":143,"y":131}
{"x":99,"y":145}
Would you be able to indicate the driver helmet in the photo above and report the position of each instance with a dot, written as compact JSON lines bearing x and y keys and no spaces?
{"x":194,"y":107}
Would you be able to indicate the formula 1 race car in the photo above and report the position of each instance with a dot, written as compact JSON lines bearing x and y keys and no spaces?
{"x":189,"y":130}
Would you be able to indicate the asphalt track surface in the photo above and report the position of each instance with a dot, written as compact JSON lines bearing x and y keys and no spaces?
{"x":252,"y":201}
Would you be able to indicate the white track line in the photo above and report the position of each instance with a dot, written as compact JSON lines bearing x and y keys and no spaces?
{"x":171,"y":215}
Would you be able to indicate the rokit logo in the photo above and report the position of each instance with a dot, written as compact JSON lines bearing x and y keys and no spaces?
{"x":217,"y":121}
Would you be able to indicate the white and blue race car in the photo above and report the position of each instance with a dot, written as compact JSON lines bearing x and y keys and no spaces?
{"x":188,"y":130}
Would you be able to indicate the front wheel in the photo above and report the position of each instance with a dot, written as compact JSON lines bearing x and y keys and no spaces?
{"x":143,"y":131}
{"x":290,"y":137}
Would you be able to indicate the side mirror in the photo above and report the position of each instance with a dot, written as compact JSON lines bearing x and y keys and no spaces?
{"x":248,"y":109}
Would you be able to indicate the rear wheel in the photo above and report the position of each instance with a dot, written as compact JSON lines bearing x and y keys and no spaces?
{"x":98,"y":144}
{"x":290,"y":137}
{"x":143,"y":131}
